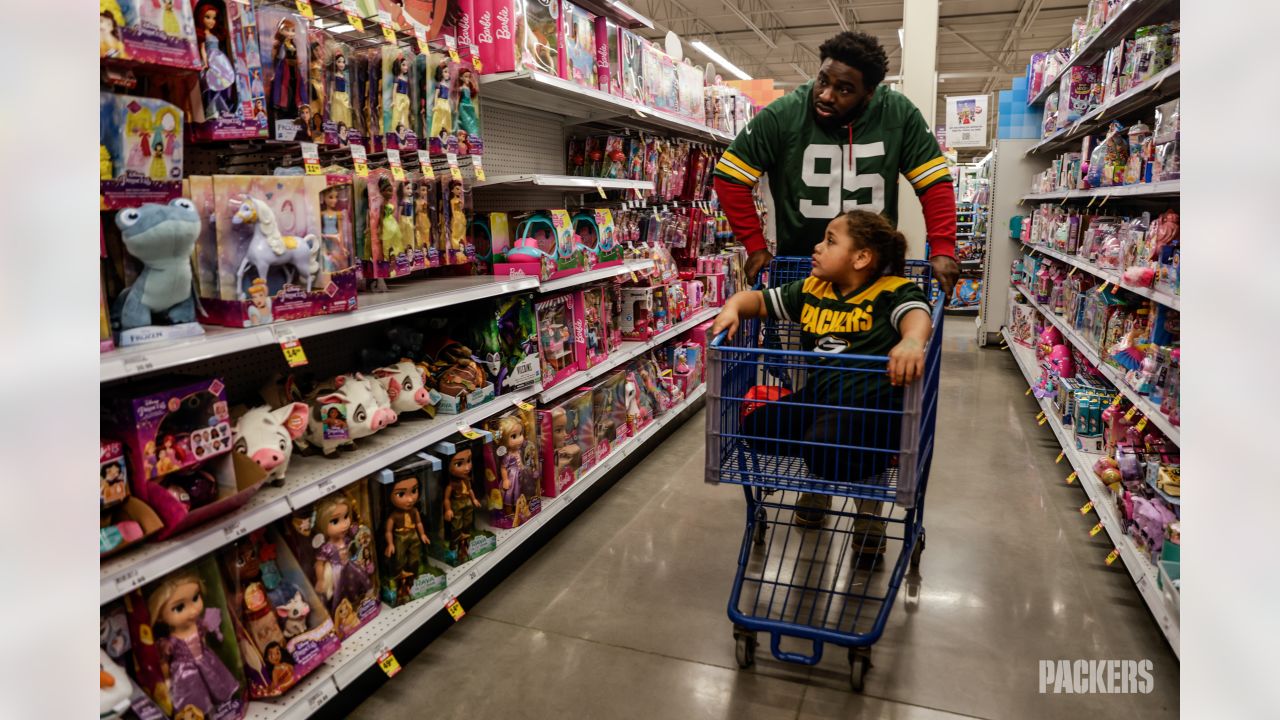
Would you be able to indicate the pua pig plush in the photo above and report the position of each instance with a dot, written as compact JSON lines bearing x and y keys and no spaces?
{"x":406,"y":385}
{"x":267,"y":436}
{"x":348,"y":408}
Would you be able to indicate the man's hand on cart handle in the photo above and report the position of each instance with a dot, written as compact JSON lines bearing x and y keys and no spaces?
{"x":945,"y":270}
{"x":756,"y":262}
{"x":906,"y":359}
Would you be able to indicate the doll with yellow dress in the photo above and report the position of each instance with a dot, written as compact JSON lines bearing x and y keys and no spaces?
{"x":339,"y":93}
{"x":397,"y":121}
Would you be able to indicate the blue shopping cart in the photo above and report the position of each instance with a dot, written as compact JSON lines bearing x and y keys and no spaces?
{"x":834,"y":467}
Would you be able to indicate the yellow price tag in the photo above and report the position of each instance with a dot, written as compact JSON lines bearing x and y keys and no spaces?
{"x":1111,"y":557}
{"x":355,"y":21}
{"x":1104,"y":287}
{"x":1095,"y":530}
{"x":1072,"y":271}
{"x":634,"y":277}
{"x":600,"y":189}
{"x":1084,"y":509}
{"x":451,"y":43}
{"x":454,"y":171}
{"x":1115,"y":402}
{"x":1039,"y":414}
{"x":388,"y":32}
{"x":397,"y":169}
{"x":1142,"y":424}
{"x":397,"y":172}
{"x":360,"y":161}
{"x":524,"y":405}
{"x":1072,"y":478}
{"x":1060,"y":456}
{"x":1042,"y":421}
{"x":1028,"y":392}
{"x":424,"y":164}
{"x":467,"y":432}
{"x":304,"y":7}
{"x":475,"y":58}
{"x":312,"y":168}
{"x":310,"y":158}
{"x":388,"y":663}
{"x":455,"y":609}
{"x":293,"y":353}
{"x":478,"y":167}
{"x":1129,"y":415}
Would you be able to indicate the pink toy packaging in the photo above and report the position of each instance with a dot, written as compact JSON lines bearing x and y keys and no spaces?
{"x":612,"y":316}
{"x":578,"y":45}
{"x":282,"y":248}
{"x":609,"y":411}
{"x":495,"y":34}
{"x":568,"y":442}
{"x":608,"y":59}
{"x":184,"y":644}
{"x":545,"y":247}
{"x":284,"y":628}
{"x":513,"y":468}
{"x":558,"y":331}
{"x":332,"y":539}
{"x":153,"y":32}
{"x":591,"y":305}
{"x":140,"y":150}
{"x":465,"y":23}
{"x":227,"y":102}
{"x":282,"y":42}
{"x":537,"y":35}
{"x":637,"y":320}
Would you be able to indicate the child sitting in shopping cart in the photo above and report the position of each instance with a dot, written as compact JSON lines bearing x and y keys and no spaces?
{"x":842,"y":422}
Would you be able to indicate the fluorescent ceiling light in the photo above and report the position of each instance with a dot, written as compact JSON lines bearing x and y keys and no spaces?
{"x":900,"y":41}
{"x":720,"y":61}
{"x":629,"y":12}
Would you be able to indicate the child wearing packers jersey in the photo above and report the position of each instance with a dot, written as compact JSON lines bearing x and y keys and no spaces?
{"x":855,"y":302}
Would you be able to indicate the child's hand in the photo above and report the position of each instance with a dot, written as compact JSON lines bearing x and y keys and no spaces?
{"x":726,"y":320}
{"x":906,"y":362}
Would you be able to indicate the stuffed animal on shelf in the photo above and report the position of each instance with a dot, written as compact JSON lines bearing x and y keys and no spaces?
{"x":266,"y":436}
{"x":162,"y":237}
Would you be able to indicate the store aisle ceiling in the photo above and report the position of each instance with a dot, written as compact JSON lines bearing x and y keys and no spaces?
{"x":981,"y":43}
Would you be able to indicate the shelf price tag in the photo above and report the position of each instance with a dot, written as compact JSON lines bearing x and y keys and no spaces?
{"x":360,"y":160}
{"x":290,"y":346}
{"x":138,"y":365}
{"x":388,"y":32}
{"x":1084,"y":509}
{"x":475,"y":58}
{"x":1095,"y":530}
{"x":353,"y":16}
{"x":1060,"y":456}
{"x":523,"y":405}
{"x":424,"y":163}
{"x":397,"y":170}
{"x":1129,"y":415}
{"x":130,"y":580}
{"x":310,"y":158}
{"x":1042,"y":421}
{"x":1142,"y":424}
{"x":600,"y":189}
{"x":455,"y":609}
{"x":387,"y":662}
{"x":1028,"y":392}
{"x":420,"y":33}
{"x":1111,"y":556}
{"x":321,"y":695}
{"x":478,"y":166}
{"x":1072,"y":477}
{"x":304,"y":8}
{"x":451,"y":43}
{"x":467,"y":432}
{"x":1115,"y":402}
{"x":454,"y":171}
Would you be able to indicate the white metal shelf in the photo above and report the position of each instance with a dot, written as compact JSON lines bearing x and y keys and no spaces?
{"x":1164,"y":188}
{"x":1115,"y":278}
{"x":628,"y":351}
{"x":568,"y":182}
{"x":1141,"y":569}
{"x":626,"y":268}
{"x":1114,"y":376}
{"x":1163,"y":85}
{"x":1133,"y":16}
{"x":393,"y":625}
{"x":536,"y":90}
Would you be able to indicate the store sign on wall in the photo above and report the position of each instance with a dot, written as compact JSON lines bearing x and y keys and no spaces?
{"x":967,"y":120}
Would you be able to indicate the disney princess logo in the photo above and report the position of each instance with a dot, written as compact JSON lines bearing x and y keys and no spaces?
{"x":485,"y":21}
{"x":504,"y":24}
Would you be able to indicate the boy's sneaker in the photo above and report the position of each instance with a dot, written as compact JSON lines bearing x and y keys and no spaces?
{"x":869,"y":542}
{"x":811,"y":510}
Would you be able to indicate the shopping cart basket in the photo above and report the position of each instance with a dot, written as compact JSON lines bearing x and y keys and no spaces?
{"x":829,"y":431}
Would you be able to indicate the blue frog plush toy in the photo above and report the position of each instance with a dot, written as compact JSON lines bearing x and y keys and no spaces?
{"x":162,"y":237}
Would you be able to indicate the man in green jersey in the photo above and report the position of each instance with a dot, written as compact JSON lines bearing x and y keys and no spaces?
{"x":834,"y":144}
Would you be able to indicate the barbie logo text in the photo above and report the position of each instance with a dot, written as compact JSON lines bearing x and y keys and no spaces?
{"x":504,"y":24}
{"x":485,"y":21}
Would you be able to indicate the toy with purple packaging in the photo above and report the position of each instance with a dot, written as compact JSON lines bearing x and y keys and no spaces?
{"x":455,"y":537}
{"x":230,"y":88}
{"x":568,"y":442}
{"x":185,"y":654}
{"x":334,"y":544}
{"x":558,"y":347}
{"x":513,"y":468}
{"x":282,"y":623}
{"x":170,"y":425}
{"x":142,"y":138}
{"x":154,"y":32}
{"x":400,"y":512}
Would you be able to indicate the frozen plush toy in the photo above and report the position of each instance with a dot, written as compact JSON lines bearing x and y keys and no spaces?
{"x":162,"y":237}
{"x":406,"y":386}
{"x":267,"y":436}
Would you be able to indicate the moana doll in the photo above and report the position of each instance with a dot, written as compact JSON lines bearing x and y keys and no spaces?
{"x":459,"y":506}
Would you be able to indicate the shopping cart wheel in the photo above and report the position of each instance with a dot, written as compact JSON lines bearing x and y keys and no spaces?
{"x":746,"y":648}
{"x":762,"y":525}
{"x":859,"y":664}
{"x":917,"y":551}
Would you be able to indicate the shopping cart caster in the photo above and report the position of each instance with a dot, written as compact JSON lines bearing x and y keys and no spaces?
{"x":917,"y":551}
{"x":746,"y":648}
{"x":762,"y":525}
{"x":859,"y":664}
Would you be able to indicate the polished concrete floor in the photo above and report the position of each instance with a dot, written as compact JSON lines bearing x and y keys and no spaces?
{"x":622,"y":615}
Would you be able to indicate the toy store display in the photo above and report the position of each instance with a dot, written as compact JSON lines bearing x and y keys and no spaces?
{"x":1143,"y":251}
{"x":609,"y":411}
{"x":507,"y":344}
{"x":543,"y":245}
{"x":125,"y":520}
{"x":561,"y":338}
{"x":512,"y":468}
{"x":568,"y":442}
{"x":399,"y":517}
{"x":140,"y":148}
{"x":282,"y":40}
{"x":230,"y":96}
{"x":156,"y":33}
{"x":679,"y":169}
{"x":455,"y":535}
{"x":578,"y":56}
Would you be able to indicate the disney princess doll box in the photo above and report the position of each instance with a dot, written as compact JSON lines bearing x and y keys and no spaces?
{"x":507,"y":343}
{"x":153,"y":32}
{"x":400,"y":520}
{"x":283,"y":625}
{"x":229,"y":101}
{"x":456,"y":535}
{"x":333,"y":541}
{"x":140,"y":148}
{"x":512,"y":468}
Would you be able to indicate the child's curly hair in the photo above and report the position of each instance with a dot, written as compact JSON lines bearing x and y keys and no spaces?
{"x":872,"y":231}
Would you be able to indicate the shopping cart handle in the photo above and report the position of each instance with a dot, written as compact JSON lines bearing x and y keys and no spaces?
{"x":718,"y":340}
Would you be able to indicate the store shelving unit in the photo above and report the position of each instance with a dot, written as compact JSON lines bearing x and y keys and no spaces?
{"x":565,"y":182}
{"x":1140,"y":567}
{"x":1115,"y":278}
{"x":359,"y":653}
{"x":1166,"y":84}
{"x":1164,"y":189}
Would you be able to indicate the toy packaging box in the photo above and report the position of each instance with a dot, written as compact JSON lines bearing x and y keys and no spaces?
{"x":140,"y":150}
{"x":281,"y":248}
{"x":398,"y":91}
{"x":591,"y":305}
{"x":512,"y":468}
{"x":597,"y":238}
{"x":631,"y":59}
{"x":608,"y":56}
{"x":391,"y":232}
{"x":333,"y":541}
{"x":609,"y":411}
{"x":558,"y":347}
{"x":638,"y":321}
{"x":495,"y":31}
{"x":454,"y":372}
{"x":400,"y":516}
{"x":283,"y":625}
{"x":455,"y":536}
{"x":612,"y":311}
{"x":465,"y":94}
{"x":169,"y":425}
{"x":188,"y":607}
{"x":123,"y":519}
{"x":577,"y":45}
{"x":148,"y":31}
{"x":537,"y":35}
{"x":568,"y":442}
{"x":282,"y":42}
{"x":545,"y":247}
{"x":507,"y":344}
{"x":229,"y":101}
{"x":685,"y":361}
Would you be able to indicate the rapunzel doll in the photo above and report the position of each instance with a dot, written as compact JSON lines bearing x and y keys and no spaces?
{"x":339,"y":575}
{"x":180,"y":621}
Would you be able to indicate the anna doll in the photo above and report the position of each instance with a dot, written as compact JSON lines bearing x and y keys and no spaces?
{"x":286,"y":81}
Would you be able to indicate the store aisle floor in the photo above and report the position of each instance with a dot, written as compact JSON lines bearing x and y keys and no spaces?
{"x":622,"y":615}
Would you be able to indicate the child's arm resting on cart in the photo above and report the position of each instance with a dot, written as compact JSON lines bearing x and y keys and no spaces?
{"x":906,"y":359}
{"x":746,"y":304}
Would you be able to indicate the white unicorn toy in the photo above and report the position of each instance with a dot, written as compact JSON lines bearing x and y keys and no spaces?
{"x":269,"y":248}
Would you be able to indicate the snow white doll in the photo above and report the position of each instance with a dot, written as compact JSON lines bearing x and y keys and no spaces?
{"x":180,"y":621}
{"x":217,"y":76}
{"x":441,"y":112}
{"x":399,"y":93}
{"x":339,"y":96}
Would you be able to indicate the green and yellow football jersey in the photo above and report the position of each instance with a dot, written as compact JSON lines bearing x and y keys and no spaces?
{"x":817,"y":173}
